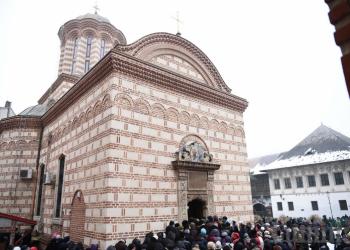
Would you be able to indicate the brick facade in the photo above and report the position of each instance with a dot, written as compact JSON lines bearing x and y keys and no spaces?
{"x":118,"y":130}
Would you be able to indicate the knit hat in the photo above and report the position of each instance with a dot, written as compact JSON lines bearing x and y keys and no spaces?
{"x":203,"y":232}
{"x":218,"y":245}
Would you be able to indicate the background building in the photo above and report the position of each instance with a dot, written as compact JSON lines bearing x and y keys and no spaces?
{"x":126,"y":140}
{"x":313,"y":177}
{"x":259,"y":182}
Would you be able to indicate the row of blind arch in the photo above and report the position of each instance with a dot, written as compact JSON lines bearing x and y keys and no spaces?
{"x":141,"y":106}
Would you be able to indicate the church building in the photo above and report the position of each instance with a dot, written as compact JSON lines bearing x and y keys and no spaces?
{"x":127,"y":138}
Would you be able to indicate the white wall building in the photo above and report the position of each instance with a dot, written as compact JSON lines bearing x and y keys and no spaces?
{"x":313,"y":177}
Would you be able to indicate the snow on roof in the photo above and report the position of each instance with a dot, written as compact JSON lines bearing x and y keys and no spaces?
{"x":322,"y":145}
{"x":309,"y":159}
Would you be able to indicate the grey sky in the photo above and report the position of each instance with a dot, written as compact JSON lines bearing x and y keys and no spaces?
{"x":280,"y":55}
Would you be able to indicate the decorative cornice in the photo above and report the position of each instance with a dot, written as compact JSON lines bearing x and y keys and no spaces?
{"x":196,"y":166}
{"x":119,"y":62}
{"x":80,"y":24}
{"x":166,"y":38}
{"x":20,"y":122}
{"x":62,"y":77}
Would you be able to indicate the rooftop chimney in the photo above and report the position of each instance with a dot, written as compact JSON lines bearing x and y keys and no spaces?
{"x":8,"y":106}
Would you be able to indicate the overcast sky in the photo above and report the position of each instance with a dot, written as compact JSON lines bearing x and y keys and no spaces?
{"x":278,"y":54}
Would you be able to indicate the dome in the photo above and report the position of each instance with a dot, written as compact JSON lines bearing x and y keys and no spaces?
{"x":94,"y":16}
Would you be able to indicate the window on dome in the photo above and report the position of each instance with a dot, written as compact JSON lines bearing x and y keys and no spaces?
{"x":75,"y":49}
{"x":73,"y":67}
{"x":87,"y":65}
{"x":103,"y":48}
{"x":88,"y":46}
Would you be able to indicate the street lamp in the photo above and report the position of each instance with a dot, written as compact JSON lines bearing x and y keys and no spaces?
{"x":329,"y":201}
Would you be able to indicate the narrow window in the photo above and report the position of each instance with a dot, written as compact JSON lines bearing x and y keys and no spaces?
{"x":40,"y":189}
{"x":324,"y":180}
{"x":75,"y":48}
{"x":299,"y":181}
{"x":73,"y":67}
{"x":311,"y":180}
{"x":314,"y":205}
{"x":290,"y":206}
{"x":338,"y":177}
{"x":279,"y":206}
{"x":287,"y":183}
{"x":88,"y":46}
{"x":87,"y":65}
{"x":277,"y":183}
{"x":103,"y":48}
{"x":343,"y":205}
{"x":60,"y":187}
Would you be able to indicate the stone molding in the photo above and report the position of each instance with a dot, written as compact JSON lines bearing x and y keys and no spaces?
{"x":147,"y":45}
{"x":128,"y":65}
{"x":77,"y":26}
{"x":17,"y":121}
{"x":195,"y":166}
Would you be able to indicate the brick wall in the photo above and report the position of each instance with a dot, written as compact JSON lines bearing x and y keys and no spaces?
{"x":119,"y":140}
{"x":18,"y":151}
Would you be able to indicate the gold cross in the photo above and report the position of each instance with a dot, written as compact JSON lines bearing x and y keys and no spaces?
{"x":178,"y":21}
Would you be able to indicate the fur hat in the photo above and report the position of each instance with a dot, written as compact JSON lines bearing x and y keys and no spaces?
{"x":211,"y":245}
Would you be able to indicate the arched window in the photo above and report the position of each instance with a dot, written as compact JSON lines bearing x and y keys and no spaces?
{"x":75,"y":49}
{"x":103,"y":48}
{"x":40,"y":189}
{"x":87,"y":65}
{"x":60,"y":187}
{"x":88,"y":46}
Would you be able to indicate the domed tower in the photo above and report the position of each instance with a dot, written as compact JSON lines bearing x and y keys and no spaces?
{"x":84,"y":41}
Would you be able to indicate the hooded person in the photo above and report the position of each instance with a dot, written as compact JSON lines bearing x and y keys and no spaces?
{"x":235,"y":237}
{"x":225,"y":238}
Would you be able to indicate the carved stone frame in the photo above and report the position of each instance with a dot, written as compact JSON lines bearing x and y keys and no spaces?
{"x":185,"y":194}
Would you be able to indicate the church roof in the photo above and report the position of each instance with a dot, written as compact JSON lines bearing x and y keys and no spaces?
{"x":94,"y":16}
{"x":37,"y":110}
{"x":322,"y":145}
{"x":259,"y":163}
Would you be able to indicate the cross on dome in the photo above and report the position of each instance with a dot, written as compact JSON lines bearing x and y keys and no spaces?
{"x":96,"y":8}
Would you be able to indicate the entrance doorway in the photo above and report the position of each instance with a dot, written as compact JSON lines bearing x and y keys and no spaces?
{"x":196,"y":208}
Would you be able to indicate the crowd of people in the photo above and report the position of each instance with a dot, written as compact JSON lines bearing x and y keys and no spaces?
{"x":216,"y":233}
